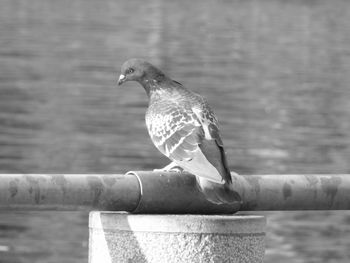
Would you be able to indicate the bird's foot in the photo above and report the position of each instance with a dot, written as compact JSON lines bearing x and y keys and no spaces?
{"x":172,"y":167}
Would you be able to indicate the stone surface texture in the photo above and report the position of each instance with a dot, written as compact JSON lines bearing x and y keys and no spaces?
{"x":118,"y":237}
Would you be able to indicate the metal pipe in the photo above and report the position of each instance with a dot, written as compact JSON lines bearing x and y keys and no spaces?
{"x":294,"y":192}
{"x":155,"y":192}
{"x":138,"y":192}
{"x":175,"y":193}
{"x":69,"y":192}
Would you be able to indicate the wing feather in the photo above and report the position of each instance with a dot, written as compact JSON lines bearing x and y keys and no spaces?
{"x":184,"y":137}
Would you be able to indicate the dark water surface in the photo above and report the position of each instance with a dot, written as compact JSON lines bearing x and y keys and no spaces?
{"x":276,"y":72}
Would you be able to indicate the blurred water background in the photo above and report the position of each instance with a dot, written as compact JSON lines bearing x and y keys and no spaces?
{"x":277,"y":72}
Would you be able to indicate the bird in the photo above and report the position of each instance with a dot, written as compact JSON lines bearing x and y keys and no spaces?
{"x":184,"y":128}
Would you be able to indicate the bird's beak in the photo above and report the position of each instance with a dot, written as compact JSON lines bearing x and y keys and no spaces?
{"x":121,"y":79}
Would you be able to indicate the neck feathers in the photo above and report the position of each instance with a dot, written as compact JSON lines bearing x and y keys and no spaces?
{"x":155,"y":80}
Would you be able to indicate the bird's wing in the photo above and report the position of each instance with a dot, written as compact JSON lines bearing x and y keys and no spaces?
{"x":212,"y":145}
{"x":189,"y":136}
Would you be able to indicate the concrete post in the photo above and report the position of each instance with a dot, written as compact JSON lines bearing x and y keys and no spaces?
{"x":121,"y":237}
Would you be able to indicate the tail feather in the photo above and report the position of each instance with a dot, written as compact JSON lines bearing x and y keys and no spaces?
{"x":218,"y":193}
{"x":214,"y":192}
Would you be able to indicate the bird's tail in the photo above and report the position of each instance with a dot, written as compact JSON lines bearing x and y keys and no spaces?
{"x":218,"y":193}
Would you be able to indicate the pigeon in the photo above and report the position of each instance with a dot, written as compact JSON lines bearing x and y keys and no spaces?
{"x":184,"y":128}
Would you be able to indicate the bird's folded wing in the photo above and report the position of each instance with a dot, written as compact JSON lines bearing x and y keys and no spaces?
{"x":179,"y":138}
{"x":175,"y":132}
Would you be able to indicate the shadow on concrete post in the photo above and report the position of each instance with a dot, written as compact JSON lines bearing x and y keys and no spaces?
{"x":122,"y":237}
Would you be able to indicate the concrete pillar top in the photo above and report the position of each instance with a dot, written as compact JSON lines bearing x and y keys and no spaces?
{"x":221,"y":224}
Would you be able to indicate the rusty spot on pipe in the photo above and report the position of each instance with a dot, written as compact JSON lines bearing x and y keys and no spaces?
{"x":312,"y":180}
{"x":96,"y":187}
{"x":60,"y":181}
{"x":287,"y":191}
{"x":254,"y":182}
{"x":330,"y":186}
{"x":34,"y":187}
{"x":109,"y":180}
{"x":13,"y":188}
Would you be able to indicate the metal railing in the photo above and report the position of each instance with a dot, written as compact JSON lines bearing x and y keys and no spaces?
{"x":155,"y":192}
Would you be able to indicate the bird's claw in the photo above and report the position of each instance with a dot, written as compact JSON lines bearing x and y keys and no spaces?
{"x":172,"y":167}
{"x":174,"y":170}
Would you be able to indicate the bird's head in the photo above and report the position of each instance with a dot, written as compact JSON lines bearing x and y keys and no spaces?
{"x":138,"y":70}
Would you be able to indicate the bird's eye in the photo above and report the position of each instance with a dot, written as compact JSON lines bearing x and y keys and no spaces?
{"x":130,"y":70}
